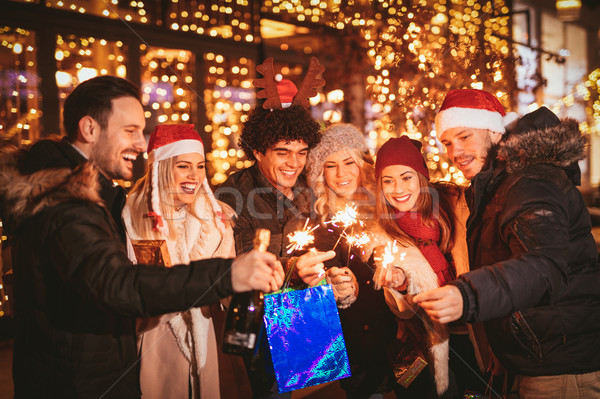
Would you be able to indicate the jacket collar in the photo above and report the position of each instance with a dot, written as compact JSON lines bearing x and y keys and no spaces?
{"x":562,"y":145}
{"x":24,"y":195}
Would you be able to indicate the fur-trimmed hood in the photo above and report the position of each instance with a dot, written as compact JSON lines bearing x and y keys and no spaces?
{"x":24,"y":195}
{"x":561,"y":145}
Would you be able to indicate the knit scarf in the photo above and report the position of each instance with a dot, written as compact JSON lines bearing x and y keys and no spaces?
{"x":427,"y":240}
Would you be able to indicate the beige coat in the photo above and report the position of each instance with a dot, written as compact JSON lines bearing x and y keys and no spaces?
{"x":420,"y":277}
{"x":179,"y":350}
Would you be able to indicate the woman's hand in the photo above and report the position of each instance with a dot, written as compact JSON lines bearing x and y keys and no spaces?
{"x":388,"y":273}
{"x":392,"y":277}
{"x":344,"y":285}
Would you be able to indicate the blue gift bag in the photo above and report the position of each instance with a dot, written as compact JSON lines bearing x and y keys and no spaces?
{"x":305,"y":338}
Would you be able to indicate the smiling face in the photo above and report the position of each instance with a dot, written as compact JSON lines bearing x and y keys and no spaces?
{"x":282,"y":163}
{"x":122,"y":141}
{"x":341,"y":173}
{"x":468,"y":148}
{"x":188,"y":175}
{"x":401,"y":187}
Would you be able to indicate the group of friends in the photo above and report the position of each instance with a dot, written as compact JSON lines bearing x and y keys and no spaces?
{"x":497,"y":285}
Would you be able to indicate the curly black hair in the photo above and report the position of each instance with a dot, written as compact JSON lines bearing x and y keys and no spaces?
{"x":264,"y":128}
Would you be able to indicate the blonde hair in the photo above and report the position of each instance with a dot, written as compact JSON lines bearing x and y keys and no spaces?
{"x":443,"y":211}
{"x":327,"y":199}
{"x":140,"y":196}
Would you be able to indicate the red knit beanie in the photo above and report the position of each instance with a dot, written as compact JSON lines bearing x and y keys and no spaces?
{"x":401,"y":151}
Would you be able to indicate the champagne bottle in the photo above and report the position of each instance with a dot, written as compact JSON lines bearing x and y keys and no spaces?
{"x":245,"y":315}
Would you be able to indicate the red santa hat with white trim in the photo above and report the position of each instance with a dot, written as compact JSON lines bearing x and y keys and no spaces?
{"x":472,"y":108}
{"x":168,"y":141}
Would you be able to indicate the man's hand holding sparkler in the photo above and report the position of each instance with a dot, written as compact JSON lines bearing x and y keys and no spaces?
{"x":310,"y":266}
{"x":444,"y":304}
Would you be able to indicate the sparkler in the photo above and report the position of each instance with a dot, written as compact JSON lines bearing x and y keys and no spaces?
{"x":357,"y":240}
{"x":301,"y":238}
{"x":387,"y":258}
{"x":388,"y":254}
{"x":346,"y":217}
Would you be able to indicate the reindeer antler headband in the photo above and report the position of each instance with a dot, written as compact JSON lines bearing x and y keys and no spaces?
{"x":282,"y":94}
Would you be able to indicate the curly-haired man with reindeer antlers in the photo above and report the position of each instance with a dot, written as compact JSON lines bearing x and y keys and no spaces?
{"x":272,"y":194}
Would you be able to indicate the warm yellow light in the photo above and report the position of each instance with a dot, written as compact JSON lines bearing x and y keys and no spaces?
{"x":121,"y":71}
{"x":86,"y":73}
{"x":568,"y":10}
{"x":439,"y":19}
{"x":335,"y":96}
{"x":63,"y":79}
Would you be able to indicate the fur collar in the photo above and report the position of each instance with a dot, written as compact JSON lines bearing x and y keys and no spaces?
{"x":561,"y":145}
{"x":22,"y":196}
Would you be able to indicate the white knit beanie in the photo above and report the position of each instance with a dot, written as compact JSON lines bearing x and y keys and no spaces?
{"x":338,"y":137}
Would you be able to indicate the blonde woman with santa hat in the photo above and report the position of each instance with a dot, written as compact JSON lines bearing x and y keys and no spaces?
{"x":173,"y":202}
{"x":415,"y":211}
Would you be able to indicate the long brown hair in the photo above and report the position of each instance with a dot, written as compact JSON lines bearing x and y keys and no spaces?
{"x":434,"y":203}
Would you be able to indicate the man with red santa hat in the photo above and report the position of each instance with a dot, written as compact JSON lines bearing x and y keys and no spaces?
{"x":535,"y":279}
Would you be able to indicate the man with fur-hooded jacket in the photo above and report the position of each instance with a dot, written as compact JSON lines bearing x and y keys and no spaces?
{"x":76,"y":294}
{"x":535,"y":278}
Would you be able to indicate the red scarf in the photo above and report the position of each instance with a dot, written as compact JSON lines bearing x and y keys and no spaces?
{"x":428,"y":240}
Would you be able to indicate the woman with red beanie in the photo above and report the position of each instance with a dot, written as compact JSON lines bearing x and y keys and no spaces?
{"x":413,"y":210}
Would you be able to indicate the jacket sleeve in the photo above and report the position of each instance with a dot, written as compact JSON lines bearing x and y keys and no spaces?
{"x":243,"y":233}
{"x":86,"y":253}
{"x":534,"y":225}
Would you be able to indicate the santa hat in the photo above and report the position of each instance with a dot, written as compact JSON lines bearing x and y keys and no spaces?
{"x":287,"y":90}
{"x":401,"y":151}
{"x":472,"y":108}
{"x":168,"y":141}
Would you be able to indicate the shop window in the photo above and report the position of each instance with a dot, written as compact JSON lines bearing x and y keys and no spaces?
{"x":168,"y":86}
{"x":228,"y":96}
{"x":19,"y":93}
{"x":81,"y":58}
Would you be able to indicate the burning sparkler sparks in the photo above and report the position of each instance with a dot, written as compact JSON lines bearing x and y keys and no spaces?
{"x":301,"y":238}
{"x":346,"y":217}
{"x":388,"y":258}
{"x":358,"y":240}
{"x":388,"y":254}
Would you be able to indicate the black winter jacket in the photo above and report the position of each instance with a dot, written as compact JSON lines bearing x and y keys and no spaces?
{"x":76,"y":293}
{"x":535,"y":279}
{"x":258,"y":205}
